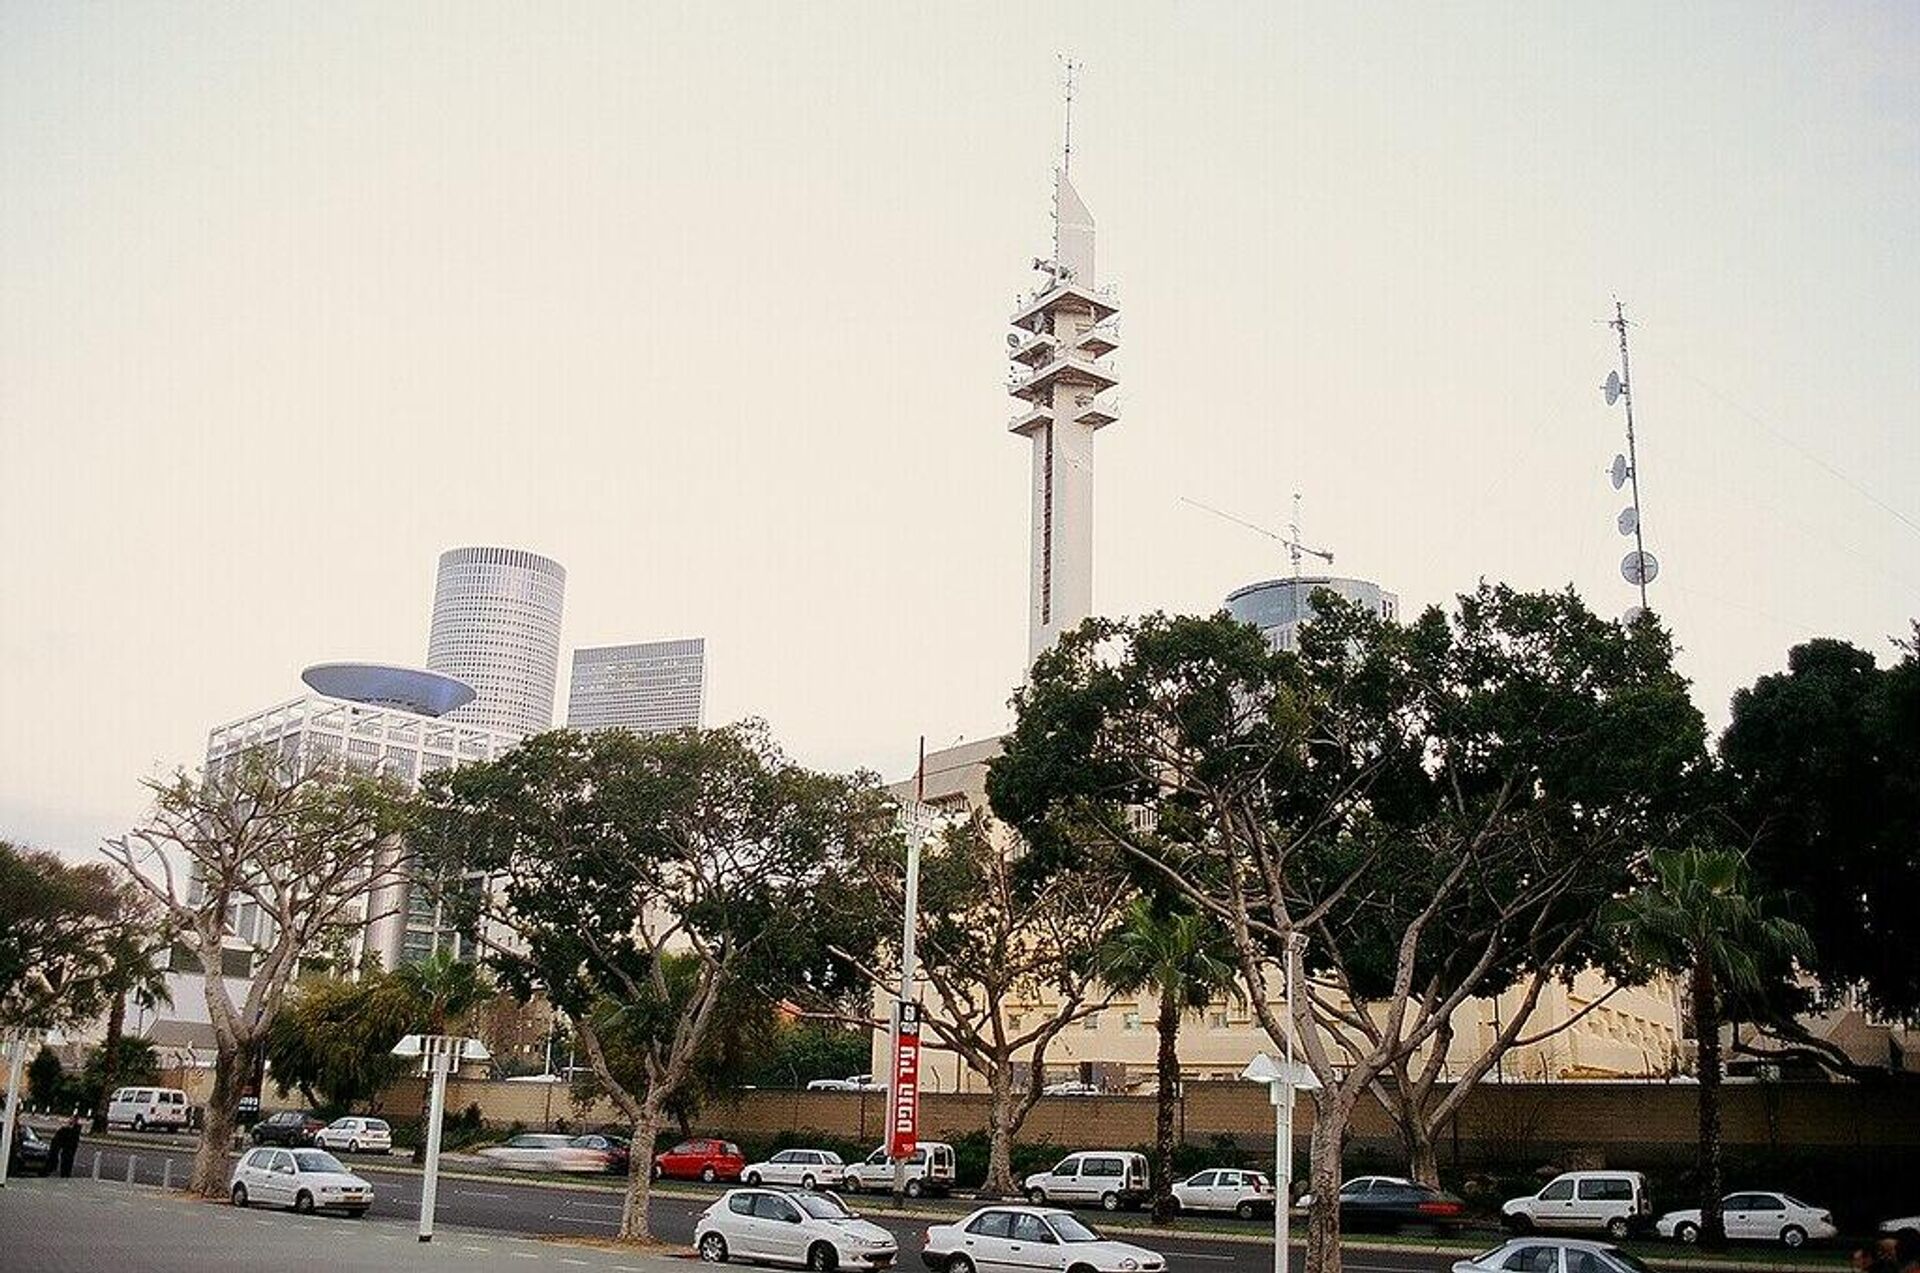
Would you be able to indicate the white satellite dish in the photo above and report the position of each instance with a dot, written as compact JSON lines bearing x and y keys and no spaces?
{"x":1613,"y":388}
{"x":1639,"y":568}
{"x":1619,"y":471}
{"x":1629,"y":520}
{"x":1013,"y":341}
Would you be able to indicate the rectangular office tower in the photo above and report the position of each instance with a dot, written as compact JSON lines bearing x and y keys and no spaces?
{"x":651,"y":687}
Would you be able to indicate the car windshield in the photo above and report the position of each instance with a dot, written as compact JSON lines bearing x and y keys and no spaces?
{"x":316,"y":1160}
{"x":376,"y":1125}
{"x":1795,"y":1202}
{"x":820,"y":1206}
{"x":1627,"y":1260}
{"x":1071,"y":1230}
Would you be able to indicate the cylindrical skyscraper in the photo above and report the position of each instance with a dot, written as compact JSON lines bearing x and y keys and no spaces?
{"x":496,"y":626}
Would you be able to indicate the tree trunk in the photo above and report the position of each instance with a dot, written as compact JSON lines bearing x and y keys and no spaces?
{"x":1000,"y":1182}
{"x":634,"y":1226}
{"x":110,"y":1059}
{"x":1423,"y":1160}
{"x":1169,"y":1076}
{"x":1330,"y":1113}
{"x":1706,"y":1033}
{"x":230,"y":1064}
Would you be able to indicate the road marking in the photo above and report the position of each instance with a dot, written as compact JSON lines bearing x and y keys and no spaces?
{"x":481,"y":1193}
{"x":1195,"y":1255}
{"x":524,"y":1255}
{"x":480,"y":1249}
{"x":570,"y":1260}
{"x":595,"y":1206}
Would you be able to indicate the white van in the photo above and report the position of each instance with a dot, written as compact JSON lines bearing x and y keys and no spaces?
{"x":930,"y":1170}
{"x":144,"y":1107}
{"x":1112,"y":1178}
{"x":1614,"y":1202}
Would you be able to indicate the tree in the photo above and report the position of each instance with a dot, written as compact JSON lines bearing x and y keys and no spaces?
{"x":1697,"y":914}
{"x":644,"y":882}
{"x":334,"y":1038}
{"x":1184,"y":958}
{"x":1439,"y":809}
{"x":1009,"y":955}
{"x":307,"y":848}
{"x":1824,"y":766}
{"x":60,"y":927}
{"x":134,"y":972}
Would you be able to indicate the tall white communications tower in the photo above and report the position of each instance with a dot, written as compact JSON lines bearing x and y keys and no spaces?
{"x":1061,"y":338}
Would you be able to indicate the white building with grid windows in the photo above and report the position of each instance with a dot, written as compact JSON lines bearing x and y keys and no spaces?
{"x":652,"y":687}
{"x":496,"y":626}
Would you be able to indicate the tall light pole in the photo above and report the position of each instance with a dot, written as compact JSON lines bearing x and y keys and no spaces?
{"x":1283,"y":1080}
{"x":897,"y":1098}
{"x":17,"y":1038}
{"x":440,"y":1055}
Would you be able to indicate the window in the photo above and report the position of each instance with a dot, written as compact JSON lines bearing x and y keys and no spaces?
{"x":994,"y":1224}
{"x":1534,"y":1259}
{"x":1091,"y":1021}
{"x":1205,"y":1180}
{"x":1558,"y":1191}
{"x":1104,"y":1167}
{"x":772,"y":1207}
{"x":1217,"y":1019}
{"x":1130,"y":1021}
{"x":1030,"y":1228}
{"x":741,"y":1204}
{"x":1606,"y":1189}
{"x":1066,"y":1167}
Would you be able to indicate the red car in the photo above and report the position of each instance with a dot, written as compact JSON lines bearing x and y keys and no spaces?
{"x":707,"y":1160}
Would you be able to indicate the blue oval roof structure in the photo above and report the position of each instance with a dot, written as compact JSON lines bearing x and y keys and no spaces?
{"x":411,"y":689}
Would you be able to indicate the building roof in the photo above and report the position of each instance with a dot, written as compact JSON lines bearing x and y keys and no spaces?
{"x":411,"y":689}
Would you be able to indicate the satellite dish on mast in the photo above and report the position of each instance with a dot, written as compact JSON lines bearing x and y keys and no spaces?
{"x":1619,"y":471}
{"x":1613,"y":388}
{"x":1629,"y":520}
{"x":1639,"y":568}
{"x":1633,"y":615}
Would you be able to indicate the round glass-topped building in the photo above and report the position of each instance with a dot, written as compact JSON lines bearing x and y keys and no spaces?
{"x":1278,"y":606}
{"x":496,"y":626}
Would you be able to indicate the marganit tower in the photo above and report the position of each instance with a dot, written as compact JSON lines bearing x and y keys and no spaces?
{"x":1061,"y":338}
{"x":496,"y":626}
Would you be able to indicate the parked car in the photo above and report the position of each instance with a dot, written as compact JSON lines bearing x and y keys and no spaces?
{"x":1395,"y":1204}
{"x":1615,"y":1202}
{"x":544,"y":1151}
{"x":929,"y":1170}
{"x":1553,"y":1255}
{"x":811,"y":1229}
{"x":1245,"y":1193}
{"x":851,"y":1083}
{"x":1112,"y":1178}
{"x":304,"y":1179}
{"x":31,"y":1152}
{"x":1763,"y":1217}
{"x":1358,"y":1182}
{"x":1902,"y":1227}
{"x":1015,"y":1239}
{"x":356,"y":1135}
{"x":1071,"y":1087}
{"x":142,"y":1108}
{"x":290,"y":1127}
{"x":616,"y":1151}
{"x":707,"y":1160}
{"x":808,"y":1168}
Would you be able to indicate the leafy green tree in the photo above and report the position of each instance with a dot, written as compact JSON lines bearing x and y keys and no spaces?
{"x":334,"y":1038}
{"x":1824,"y":766}
{"x":135,"y":973}
{"x":1185,"y":959}
{"x":646,"y":881}
{"x":60,"y":926}
{"x":1439,"y":809}
{"x":442,"y":988}
{"x":792,"y":1053}
{"x":1698,"y":915}
{"x":48,"y":1083}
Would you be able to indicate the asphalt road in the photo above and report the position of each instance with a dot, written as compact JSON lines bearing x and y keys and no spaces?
{"x":590,"y":1209}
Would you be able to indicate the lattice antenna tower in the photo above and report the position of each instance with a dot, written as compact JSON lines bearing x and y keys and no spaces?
{"x":1638,"y":567}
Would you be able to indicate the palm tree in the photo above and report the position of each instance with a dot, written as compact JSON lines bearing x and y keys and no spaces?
{"x":134,"y":972}
{"x":1187,"y":960}
{"x":444,"y":989}
{"x":1699,"y":916}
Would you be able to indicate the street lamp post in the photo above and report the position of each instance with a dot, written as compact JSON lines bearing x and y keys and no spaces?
{"x":17,"y":1040}
{"x":440,"y":1055}
{"x":1283,"y":1079}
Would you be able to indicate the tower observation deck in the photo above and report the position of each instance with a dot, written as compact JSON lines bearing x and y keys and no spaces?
{"x":1062,"y":337}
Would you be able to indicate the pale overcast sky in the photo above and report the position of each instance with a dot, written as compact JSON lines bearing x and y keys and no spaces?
{"x":708,"y":303}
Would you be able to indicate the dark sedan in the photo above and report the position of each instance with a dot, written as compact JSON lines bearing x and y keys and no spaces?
{"x":1392,"y":1205}
{"x":294,"y":1128}
{"x":32,"y":1152}
{"x":618,"y":1151}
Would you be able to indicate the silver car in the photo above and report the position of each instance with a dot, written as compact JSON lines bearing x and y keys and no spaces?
{"x":811,"y":1229}
{"x":305,"y":1179}
{"x":1553,"y":1255}
{"x":1015,"y":1239}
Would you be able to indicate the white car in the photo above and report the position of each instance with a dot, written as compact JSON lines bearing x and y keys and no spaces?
{"x":930,"y":1170}
{"x":810,"y":1229}
{"x":1245,"y":1193}
{"x":305,"y":1179}
{"x":851,"y":1083}
{"x":1614,"y":1202}
{"x":1071,"y":1087}
{"x":142,"y":1108}
{"x":1902,"y":1226}
{"x":1114,"y":1178}
{"x":808,"y":1168}
{"x":1764,"y":1217}
{"x":1359,"y":1184}
{"x":1015,"y":1239}
{"x":356,"y":1135}
{"x":544,"y":1151}
{"x":1553,"y":1255}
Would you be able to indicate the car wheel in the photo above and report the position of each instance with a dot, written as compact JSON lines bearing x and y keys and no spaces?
{"x":239,"y":1195}
{"x":1617,"y":1228}
{"x":806,"y":1182}
{"x":1517,"y":1223}
{"x":1038,"y":1197}
{"x":1687,"y":1233}
{"x":708,"y":1174}
{"x":1794,"y":1236}
{"x":1244,"y":1211}
{"x":821,"y":1259}
{"x":1109,"y":1201}
{"x":303,"y":1203}
{"x":753,"y":1177}
{"x":959,"y":1264}
{"x":353,"y":1146}
{"x":656,"y":1173}
{"x":915,"y":1189}
{"x":139,"y":1123}
{"x":713,"y":1248}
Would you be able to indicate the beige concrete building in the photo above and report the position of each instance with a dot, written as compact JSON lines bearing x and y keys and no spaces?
{"x":1635,"y":1032}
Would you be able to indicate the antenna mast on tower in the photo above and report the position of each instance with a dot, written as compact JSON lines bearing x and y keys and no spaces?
{"x":1066,"y":158}
{"x":1638,"y":567}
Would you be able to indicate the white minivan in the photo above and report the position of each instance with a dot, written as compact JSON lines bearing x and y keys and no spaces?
{"x":1614,"y":1202}
{"x":930,"y":1170}
{"x":1113,"y":1178}
{"x":143,"y":1107}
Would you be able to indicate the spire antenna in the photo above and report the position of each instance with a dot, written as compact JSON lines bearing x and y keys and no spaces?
{"x":1071,"y":67}
{"x":1640,"y":566}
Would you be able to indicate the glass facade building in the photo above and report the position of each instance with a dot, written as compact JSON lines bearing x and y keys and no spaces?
{"x":496,"y":626}
{"x":1278,"y":606}
{"x":652,"y":687}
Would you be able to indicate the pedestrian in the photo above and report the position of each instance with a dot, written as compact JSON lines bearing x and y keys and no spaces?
{"x":66,"y":1143}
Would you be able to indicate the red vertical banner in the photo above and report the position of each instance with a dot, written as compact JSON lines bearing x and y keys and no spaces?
{"x":903,"y":1096}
